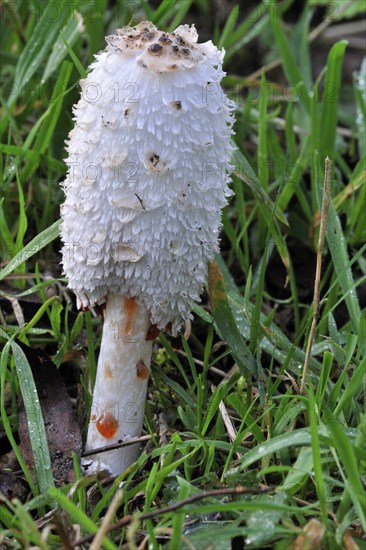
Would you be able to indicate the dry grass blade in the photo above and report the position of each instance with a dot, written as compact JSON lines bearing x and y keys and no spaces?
{"x":107,"y":520}
{"x":319,"y":257}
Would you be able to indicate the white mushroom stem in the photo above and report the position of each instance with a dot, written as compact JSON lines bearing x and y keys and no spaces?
{"x":120,"y":388}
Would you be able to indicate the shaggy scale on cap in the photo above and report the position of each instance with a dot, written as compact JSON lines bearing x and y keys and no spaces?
{"x":147,"y":177}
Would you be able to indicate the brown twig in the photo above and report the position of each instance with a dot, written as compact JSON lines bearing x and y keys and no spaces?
{"x":106,"y":448}
{"x":126,"y":520}
{"x":319,"y":258}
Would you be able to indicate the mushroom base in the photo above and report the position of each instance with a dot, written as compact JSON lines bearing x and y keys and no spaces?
{"x":117,"y":412}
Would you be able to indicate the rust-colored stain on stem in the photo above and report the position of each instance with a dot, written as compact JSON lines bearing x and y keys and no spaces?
{"x":142,"y":372}
{"x":130,"y":307}
{"x":108,"y":372}
{"x":107,"y":425}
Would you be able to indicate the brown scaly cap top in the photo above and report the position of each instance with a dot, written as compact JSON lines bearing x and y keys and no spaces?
{"x":160,"y":51}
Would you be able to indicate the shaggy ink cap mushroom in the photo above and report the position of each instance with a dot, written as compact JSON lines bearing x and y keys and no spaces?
{"x":148,"y":177}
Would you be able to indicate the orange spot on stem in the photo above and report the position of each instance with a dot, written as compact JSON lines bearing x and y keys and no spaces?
{"x":107,"y":425}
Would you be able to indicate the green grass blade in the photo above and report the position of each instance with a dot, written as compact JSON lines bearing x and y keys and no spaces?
{"x":275,"y":342}
{"x":244,"y":171}
{"x":179,"y":518}
{"x":32,"y":155}
{"x":360,"y":93}
{"x":77,"y":516}
{"x":45,"y":134}
{"x":39,"y":314}
{"x":7,"y":243}
{"x":213,"y":406}
{"x":355,"y":385}
{"x":184,"y":6}
{"x":225,"y":321}
{"x":247,"y":30}
{"x":290,"y":134}
{"x":298,"y":438}
{"x":41,"y":42}
{"x":4,"y":417}
{"x":93,"y":12}
{"x":70,"y":33}
{"x":324,"y":377}
{"x":301,"y":44}
{"x":262,"y":153}
{"x":255,"y":325}
{"x":299,"y":472}
{"x":345,"y":451}
{"x":228,"y":28}
{"x":177,"y":388}
{"x":315,"y":445}
{"x":290,"y":67}
{"x":161,"y":12}
{"x":32,"y":248}
{"x":37,"y":432}
{"x":79,"y":66}
{"x":295,"y":177}
{"x":23,"y":222}
{"x":329,"y":114}
{"x":338,"y":248}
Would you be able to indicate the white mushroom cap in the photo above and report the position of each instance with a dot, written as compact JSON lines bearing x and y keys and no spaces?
{"x":148,"y":172}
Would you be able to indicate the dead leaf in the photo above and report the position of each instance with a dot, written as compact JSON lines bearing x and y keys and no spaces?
{"x":311,"y":536}
{"x":349,"y":543}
